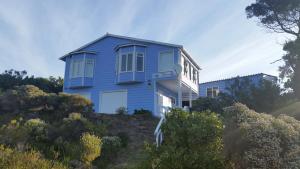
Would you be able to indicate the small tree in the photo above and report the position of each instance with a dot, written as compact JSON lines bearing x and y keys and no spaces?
{"x":191,"y":140}
{"x":91,"y":147}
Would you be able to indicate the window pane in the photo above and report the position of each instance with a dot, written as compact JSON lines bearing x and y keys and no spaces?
{"x":140,"y":62}
{"x":123,"y":63}
{"x":129,"y":62}
{"x":89,"y":68}
{"x":80,"y":68}
{"x":209,"y":92}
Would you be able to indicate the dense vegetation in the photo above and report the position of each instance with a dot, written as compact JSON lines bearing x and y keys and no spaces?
{"x":12,"y":78}
{"x":265,"y":96}
{"x":59,"y":129}
{"x":191,"y":140}
{"x":282,"y":16}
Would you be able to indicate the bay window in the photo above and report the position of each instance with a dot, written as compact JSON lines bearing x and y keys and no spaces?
{"x":82,"y":68}
{"x":140,"y":62}
{"x":127,"y":62}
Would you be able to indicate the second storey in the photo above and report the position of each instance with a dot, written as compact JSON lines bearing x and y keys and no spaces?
{"x":118,"y":60}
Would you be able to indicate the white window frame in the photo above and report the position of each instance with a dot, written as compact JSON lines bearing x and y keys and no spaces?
{"x":126,"y":65}
{"x":173,"y":59}
{"x":93,"y":67}
{"x":212,"y":88}
{"x":136,"y":63}
{"x":74,"y":65}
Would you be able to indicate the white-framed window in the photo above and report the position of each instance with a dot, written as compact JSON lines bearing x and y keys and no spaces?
{"x":212,"y":92}
{"x":166,"y":61}
{"x":89,"y":67}
{"x":139,"y":62}
{"x":195,"y":76}
{"x":79,"y":68}
{"x":126,"y":63}
{"x":185,"y":67}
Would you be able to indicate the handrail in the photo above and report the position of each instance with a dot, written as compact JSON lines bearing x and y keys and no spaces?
{"x":158,"y":132}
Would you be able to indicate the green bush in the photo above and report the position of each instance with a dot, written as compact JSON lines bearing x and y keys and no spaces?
{"x":30,"y":101}
{"x":12,"y":159}
{"x":91,"y":147}
{"x":110,"y":147}
{"x":142,"y":112}
{"x":257,"y":140}
{"x":191,"y":140}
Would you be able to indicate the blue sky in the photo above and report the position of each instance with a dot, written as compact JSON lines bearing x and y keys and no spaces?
{"x":34,"y":33}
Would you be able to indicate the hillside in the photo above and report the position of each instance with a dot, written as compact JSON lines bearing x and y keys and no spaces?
{"x":139,"y":128}
{"x":291,"y":110}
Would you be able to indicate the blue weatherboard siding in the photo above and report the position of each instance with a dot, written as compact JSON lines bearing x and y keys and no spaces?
{"x":225,"y":83}
{"x":140,"y":92}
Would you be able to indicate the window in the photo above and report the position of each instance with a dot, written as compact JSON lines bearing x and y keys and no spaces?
{"x":140,"y":62}
{"x":89,"y":67}
{"x":123,"y":63}
{"x":185,"y":70}
{"x":212,"y":92}
{"x":195,"y":75}
{"x":129,"y":62}
{"x":126,"y":62}
{"x":166,"y":61}
{"x":79,"y":68}
{"x":76,"y":68}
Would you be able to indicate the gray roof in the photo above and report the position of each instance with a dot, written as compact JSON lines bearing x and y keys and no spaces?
{"x":134,"y":39}
{"x":231,"y":78}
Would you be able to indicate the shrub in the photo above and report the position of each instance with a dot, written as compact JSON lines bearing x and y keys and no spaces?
{"x":257,"y":140}
{"x":28,"y":101}
{"x":142,"y":112}
{"x":110,"y":147}
{"x":124,"y":138}
{"x":91,"y":147}
{"x":191,"y":140}
{"x":122,"y":110}
{"x":12,"y":159}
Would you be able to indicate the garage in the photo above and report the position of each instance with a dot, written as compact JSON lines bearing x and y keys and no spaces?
{"x":112,"y":100}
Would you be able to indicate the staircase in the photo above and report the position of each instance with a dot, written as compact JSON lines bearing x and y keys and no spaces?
{"x":158,"y":132}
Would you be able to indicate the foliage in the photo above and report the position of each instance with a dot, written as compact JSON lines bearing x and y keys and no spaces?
{"x":282,"y":16}
{"x":291,"y":69}
{"x":91,"y":147}
{"x":142,"y":112}
{"x":12,"y":78}
{"x":122,"y":110}
{"x":261,"y":97}
{"x":191,"y":140}
{"x":31,"y":101}
{"x":213,"y":104}
{"x":110,"y":146}
{"x":279,"y":16}
{"x":257,"y":140}
{"x":13,"y":159}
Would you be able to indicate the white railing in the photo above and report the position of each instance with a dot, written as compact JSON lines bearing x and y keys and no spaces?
{"x":158,"y":132}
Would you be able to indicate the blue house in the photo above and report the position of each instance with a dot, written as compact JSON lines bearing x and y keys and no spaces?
{"x":117,"y":71}
{"x":213,"y":88}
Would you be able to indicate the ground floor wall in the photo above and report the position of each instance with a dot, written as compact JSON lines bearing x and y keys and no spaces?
{"x":139,"y":95}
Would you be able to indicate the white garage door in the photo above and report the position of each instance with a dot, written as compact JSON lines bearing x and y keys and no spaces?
{"x":111,"y":101}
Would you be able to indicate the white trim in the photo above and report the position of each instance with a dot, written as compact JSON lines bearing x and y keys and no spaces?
{"x":143,"y":61}
{"x":126,"y":53}
{"x":212,"y":91}
{"x":134,"y":63}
